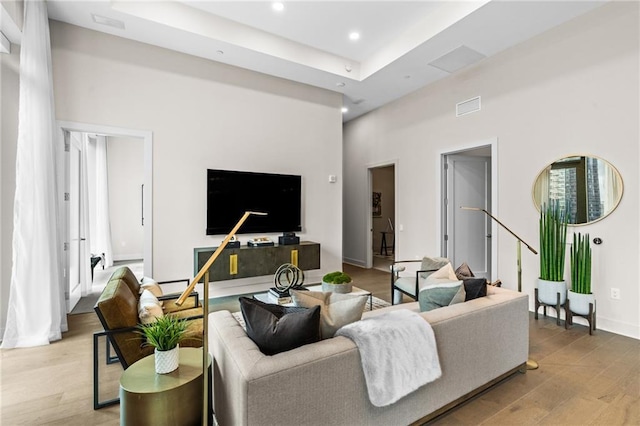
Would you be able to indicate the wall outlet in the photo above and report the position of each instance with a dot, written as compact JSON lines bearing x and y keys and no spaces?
{"x":615,"y":293}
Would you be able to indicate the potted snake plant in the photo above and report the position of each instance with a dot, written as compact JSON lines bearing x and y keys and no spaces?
{"x":164,"y":335}
{"x":553,"y":236}
{"x":580,"y":294}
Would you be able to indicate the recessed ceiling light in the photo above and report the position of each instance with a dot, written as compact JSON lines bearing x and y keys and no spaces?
{"x":277,"y":6}
{"x":345,"y":110}
{"x":107,"y":21}
{"x":354,"y":36}
{"x":340,"y":84}
{"x":220,"y":52}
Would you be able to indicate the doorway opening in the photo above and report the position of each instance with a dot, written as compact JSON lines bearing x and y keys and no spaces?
{"x":108,"y":204}
{"x":381,"y":244}
{"x":469,"y":179}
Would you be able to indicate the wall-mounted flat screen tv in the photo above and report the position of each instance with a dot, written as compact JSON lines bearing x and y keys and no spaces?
{"x":231,"y":193}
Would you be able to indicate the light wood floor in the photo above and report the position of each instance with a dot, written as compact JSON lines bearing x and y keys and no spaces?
{"x":582,"y":379}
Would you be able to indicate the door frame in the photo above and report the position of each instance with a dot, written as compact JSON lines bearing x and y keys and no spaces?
{"x":442,"y":191}
{"x":147,"y":136}
{"x":369,"y":219}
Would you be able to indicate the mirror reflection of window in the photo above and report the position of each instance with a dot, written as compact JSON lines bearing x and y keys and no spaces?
{"x":587,"y":188}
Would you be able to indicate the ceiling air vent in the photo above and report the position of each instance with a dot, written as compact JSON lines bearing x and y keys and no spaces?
{"x":468,"y":106}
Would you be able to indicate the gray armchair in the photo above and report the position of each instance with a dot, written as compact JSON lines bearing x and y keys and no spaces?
{"x":410,"y":284}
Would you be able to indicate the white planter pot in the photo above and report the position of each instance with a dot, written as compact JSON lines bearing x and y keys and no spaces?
{"x":337,"y":288}
{"x":167,"y":361}
{"x":547,"y":291}
{"x":579,"y":302}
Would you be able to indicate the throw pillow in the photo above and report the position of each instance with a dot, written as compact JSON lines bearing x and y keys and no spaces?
{"x":464,"y":271}
{"x":149,"y":308}
{"x":496,"y":283}
{"x":432,"y":264}
{"x":443,"y":294}
{"x":446,"y":272}
{"x":276,"y":328}
{"x":474,"y":288}
{"x":336,"y":310}
{"x":152,"y":286}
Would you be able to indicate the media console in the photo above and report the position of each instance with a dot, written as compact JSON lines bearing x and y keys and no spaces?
{"x":245,"y":262}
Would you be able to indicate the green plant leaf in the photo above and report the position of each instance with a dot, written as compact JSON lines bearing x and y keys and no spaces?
{"x":165,"y":333}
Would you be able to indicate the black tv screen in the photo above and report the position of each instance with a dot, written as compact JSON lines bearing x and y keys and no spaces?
{"x":231,"y":193}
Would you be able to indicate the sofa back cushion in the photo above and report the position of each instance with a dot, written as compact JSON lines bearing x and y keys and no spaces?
{"x":117,"y":308}
{"x":125,"y":274}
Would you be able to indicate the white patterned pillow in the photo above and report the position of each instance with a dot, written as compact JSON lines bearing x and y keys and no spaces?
{"x":151,"y":285}
{"x":149,"y":308}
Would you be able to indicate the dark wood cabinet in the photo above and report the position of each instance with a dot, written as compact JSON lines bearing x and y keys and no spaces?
{"x":257,"y":261}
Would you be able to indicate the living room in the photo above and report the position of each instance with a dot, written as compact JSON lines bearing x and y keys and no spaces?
{"x":573,"y":89}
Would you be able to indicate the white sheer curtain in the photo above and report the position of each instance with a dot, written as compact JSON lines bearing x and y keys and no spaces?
{"x":85,"y":219}
{"x":101,"y":235}
{"x":36,"y":313}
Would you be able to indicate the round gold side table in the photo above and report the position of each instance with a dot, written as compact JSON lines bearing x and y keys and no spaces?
{"x":148,"y":398}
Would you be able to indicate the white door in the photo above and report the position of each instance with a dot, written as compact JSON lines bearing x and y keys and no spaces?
{"x":74,"y":228}
{"x":468,"y":233}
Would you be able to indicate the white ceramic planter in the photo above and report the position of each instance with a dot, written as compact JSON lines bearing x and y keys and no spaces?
{"x":547,"y":291}
{"x":167,"y":361}
{"x":579,"y":302}
{"x":337,"y":288}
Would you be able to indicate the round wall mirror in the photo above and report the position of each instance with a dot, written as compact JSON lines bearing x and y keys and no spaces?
{"x":587,"y":188}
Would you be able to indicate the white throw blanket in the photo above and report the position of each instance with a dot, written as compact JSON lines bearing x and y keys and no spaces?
{"x":398,"y":353}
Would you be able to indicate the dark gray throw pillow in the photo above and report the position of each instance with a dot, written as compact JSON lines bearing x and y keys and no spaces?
{"x":475,"y":287}
{"x":276,"y":328}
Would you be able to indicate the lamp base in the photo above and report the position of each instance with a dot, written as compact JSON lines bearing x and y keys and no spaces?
{"x":532,"y":365}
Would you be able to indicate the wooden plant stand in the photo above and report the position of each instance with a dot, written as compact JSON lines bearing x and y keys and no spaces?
{"x":557,"y":307}
{"x":590,"y":317}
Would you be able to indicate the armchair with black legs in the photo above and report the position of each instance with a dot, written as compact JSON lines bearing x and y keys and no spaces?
{"x":118,"y":311}
{"x":409,"y":284}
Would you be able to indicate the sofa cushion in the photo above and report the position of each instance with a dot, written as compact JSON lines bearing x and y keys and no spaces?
{"x":432,"y":264}
{"x":474,"y":288}
{"x":152,"y":285}
{"x":445,"y":272}
{"x":149,"y":308}
{"x":336,"y":310}
{"x":444,"y":293}
{"x":125,"y":274}
{"x":463,"y":271}
{"x":276,"y":328}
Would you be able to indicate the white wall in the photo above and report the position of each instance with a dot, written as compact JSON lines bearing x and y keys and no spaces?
{"x":202,"y":115}
{"x":126,"y":176}
{"x":574,"y":89}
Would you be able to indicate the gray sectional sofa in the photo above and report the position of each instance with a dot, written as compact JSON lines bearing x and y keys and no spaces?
{"x":479,"y":342}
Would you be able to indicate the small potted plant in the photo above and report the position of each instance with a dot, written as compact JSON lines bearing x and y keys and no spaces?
{"x":337,"y":282}
{"x":580,"y":295}
{"x":164,"y":335}
{"x":553,"y":235}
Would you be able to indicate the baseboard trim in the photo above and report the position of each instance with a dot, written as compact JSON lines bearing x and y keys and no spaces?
{"x":354,"y":262}
{"x":124,"y":257}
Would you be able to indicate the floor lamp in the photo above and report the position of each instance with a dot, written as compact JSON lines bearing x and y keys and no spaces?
{"x":203,"y":274}
{"x":531,"y":365}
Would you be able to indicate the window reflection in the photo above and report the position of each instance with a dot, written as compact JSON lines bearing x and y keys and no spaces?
{"x":587,"y":188}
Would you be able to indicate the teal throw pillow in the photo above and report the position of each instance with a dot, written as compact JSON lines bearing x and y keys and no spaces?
{"x":444,"y":293}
